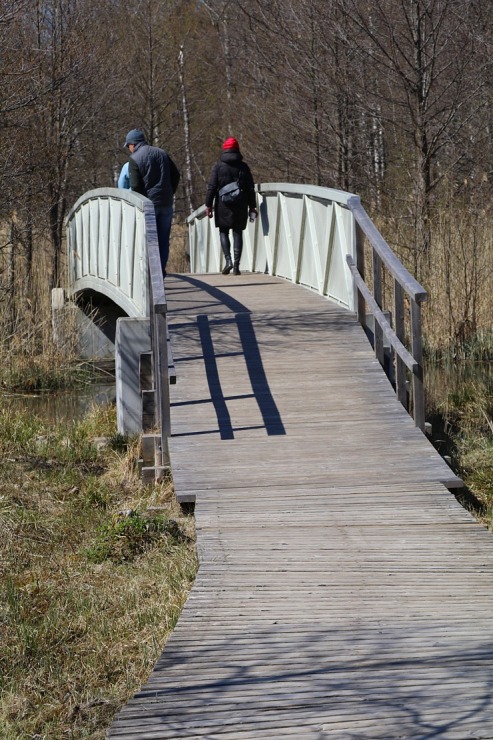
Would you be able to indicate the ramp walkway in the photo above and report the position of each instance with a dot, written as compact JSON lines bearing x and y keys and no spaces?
{"x":343,"y":592}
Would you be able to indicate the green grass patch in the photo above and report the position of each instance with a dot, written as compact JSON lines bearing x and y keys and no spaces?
{"x":94,"y":572}
{"x":462,"y":422}
{"x":132,"y":534}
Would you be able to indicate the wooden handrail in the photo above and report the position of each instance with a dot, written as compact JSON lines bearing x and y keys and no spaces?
{"x":135,"y":282}
{"x":394,"y":340}
{"x":393,"y":264}
{"x":159,"y":334}
{"x":403,"y":282}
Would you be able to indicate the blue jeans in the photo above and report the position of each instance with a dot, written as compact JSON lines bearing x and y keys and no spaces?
{"x":164,"y":217}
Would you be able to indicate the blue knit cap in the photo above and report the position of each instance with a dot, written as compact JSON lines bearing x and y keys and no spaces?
{"x":135,"y":136}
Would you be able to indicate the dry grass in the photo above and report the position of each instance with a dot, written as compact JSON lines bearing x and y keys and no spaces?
{"x":461,"y":412}
{"x":178,"y":248}
{"x":457,"y":275}
{"x":88,"y":594}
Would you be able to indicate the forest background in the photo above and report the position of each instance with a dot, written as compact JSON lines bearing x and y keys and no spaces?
{"x":389,"y":99}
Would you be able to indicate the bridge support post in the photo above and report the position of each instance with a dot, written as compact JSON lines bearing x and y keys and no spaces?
{"x":154,"y":468}
{"x":57,"y":306}
{"x":137,"y":399}
{"x":133,"y":339}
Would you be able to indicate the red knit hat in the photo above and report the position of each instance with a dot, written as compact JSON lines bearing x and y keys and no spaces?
{"x":231,"y":143}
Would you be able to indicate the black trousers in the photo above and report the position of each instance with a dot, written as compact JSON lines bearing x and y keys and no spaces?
{"x":237,"y":244}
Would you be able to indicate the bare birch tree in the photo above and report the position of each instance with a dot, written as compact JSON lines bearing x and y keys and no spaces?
{"x":423,"y":55}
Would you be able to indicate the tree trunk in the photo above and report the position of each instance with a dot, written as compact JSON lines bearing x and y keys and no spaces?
{"x":186,"y":131}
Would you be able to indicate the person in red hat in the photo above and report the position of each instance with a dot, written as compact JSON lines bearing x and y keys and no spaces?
{"x":231,"y":198}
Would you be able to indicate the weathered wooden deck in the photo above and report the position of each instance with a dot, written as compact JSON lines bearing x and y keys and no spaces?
{"x":343,"y":592}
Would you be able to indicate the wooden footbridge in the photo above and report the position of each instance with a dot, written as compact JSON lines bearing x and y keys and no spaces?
{"x":343,"y":593}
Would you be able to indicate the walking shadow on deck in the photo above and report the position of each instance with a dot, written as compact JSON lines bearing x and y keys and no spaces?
{"x":250,"y":351}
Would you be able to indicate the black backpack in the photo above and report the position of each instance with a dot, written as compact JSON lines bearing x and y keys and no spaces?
{"x":230,"y":194}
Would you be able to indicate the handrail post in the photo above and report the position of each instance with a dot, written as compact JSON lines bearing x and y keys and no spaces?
{"x":160,"y":353}
{"x":360,"y":264}
{"x":417,"y":350}
{"x":255,"y":234}
{"x":275,"y":246}
{"x":378,"y":295}
{"x":400,"y":330}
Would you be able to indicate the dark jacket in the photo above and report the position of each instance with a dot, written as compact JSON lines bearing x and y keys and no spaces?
{"x":229,"y":168}
{"x":153,"y":173}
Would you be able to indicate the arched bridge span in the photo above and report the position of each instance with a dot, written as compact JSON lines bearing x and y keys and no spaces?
{"x":113,"y":252}
{"x":106,"y":243}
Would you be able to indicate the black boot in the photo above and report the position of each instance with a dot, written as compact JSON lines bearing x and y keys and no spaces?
{"x":228,"y":266}
{"x":236,"y":266}
{"x":225,"y":245}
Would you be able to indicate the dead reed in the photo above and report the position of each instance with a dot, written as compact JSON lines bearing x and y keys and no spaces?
{"x":457,"y":274}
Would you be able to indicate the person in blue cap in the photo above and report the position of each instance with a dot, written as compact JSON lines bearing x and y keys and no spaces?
{"x":152,"y":173}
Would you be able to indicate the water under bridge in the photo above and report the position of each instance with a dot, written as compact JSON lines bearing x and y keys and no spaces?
{"x":342,"y":590}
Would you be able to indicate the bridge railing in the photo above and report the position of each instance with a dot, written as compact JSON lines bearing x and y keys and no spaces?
{"x":303,"y":234}
{"x":159,"y":336}
{"x":315,"y":237}
{"x":407,"y":297}
{"x":106,"y":247}
{"x":113,"y":249}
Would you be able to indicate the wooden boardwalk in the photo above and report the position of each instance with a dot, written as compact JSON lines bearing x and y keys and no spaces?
{"x":343,"y":593}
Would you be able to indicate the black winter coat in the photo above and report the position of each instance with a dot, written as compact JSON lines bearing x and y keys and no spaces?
{"x":153,"y":173}
{"x":229,"y":168}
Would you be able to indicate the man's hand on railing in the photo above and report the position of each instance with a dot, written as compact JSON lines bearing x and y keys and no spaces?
{"x":209,"y":212}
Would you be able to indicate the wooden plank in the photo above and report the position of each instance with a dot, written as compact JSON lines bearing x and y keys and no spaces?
{"x":342,"y":590}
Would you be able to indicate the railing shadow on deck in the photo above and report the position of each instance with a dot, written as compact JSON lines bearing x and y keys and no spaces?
{"x":241,"y":317}
{"x":317,"y":237}
{"x":260,"y":387}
